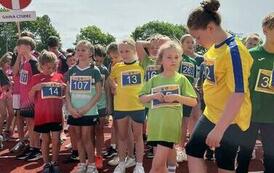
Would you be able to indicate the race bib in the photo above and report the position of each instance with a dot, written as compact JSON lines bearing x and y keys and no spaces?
{"x":166,"y":90}
{"x":81,"y":84}
{"x":151,"y":71}
{"x":188,"y":69}
{"x":264,"y":81}
{"x":272,"y":79}
{"x":51,"y":90}
{"x":130,"y":78}
{"x":24,"y":75}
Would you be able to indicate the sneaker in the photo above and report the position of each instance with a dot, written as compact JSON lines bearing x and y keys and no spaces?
{"x":18,"y":147}
{"x":149,"y":153}
{"x":209,"y":155}
{"x":181,"y":155}
{"x":1,"y":142}
{"x":99,"y":162}
{"x":110,"y":153}
{"x":81,"y":168}
{"x":130,"y":162}
{"x":24,"y":154}
{"x":34,"y":156}
{"x":72,"y":159}
{"x":46,"y":168}
{"x":120,"y":168}
{"x":139,"y":169}
{"x":91,"y":169}
{"x":114,"y":161}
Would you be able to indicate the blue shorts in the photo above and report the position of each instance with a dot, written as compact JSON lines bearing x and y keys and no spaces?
{"x":27,"y":112}
{"x":102,"y":112}
{"x":187,"y":111}
{"x":225,"y":154}
{"x":137,"y":116}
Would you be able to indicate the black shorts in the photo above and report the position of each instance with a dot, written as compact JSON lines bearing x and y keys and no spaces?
{"x":137,"y":116}
{"x":49,"y":127}
{"x":187,"y":111}
{"x":27,"y":112}
{"x":102,"y":112}
{"x":225,"y":154}
{"x":163,"y":143}
{"x":87,"y":120}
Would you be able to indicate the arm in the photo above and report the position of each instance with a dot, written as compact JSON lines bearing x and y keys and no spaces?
{"x":34,"y":89}
{"x":140,"y":48}
{"x":74,"y":112}
{"x":16,"y":66}
{"x":93,"y":101}
{"x":231,"y":109}
{"x":183,"y":100}
{"x":108,"y":96}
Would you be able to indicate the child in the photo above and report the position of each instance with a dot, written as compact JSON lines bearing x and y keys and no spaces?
{"x":5,"y":97}
{"x":103,"y":106}
{"x":47,"y":92}
{"x":262,"y":97}
{"x":82,"y":95}
{"x":126,"y":82}
{"x":252,"y":40}
{"x":228,"y":107}
{"x":166,"y":93}
{"x":71,"y":61}
{"x":26,"y":67}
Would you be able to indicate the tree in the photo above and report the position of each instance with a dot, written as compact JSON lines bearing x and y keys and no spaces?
{"x":94,"y":35}
{"x":173,"y":31}
{"x":41,"y":28}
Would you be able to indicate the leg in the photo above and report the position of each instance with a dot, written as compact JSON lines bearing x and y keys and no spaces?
{"x":86,"y":132}
{"x":247,"y":144}
{"x":138,"y":139}
{"x":45,"y":147}
{"x":130,"y":140}
{"x":99,"y":136}
{"x":80,"y":146}
{"x":55,"y":145}
{"x":267,"y":130}
{"x":196,"y":165}
{"x":3,"y":113}
{"x":122,"y":128}
{"x":159,"y":163}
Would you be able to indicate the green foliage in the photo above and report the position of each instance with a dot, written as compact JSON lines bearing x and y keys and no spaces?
{"x":173,"y":31}
{"x":41,"y":28}
{"x":94,"y":35}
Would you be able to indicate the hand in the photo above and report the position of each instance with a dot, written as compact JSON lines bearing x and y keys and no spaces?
{"x":171,"y":98}
{"x":74,"y":112}
{"x":113,"y":89}
{"x":83,"y":110}
{"x":214,"y":138}
{"x":159,"y":96}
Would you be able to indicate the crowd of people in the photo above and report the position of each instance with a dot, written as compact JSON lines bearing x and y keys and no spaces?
{"x":166,"y":101}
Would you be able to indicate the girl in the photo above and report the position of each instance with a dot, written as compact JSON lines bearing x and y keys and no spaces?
{"x":226,"y":94}
{"x":5,"y":97}
{"x":47,"y":89}
{"x":126,"y":80}
{"x":82,"y":95}
{"x":166,"y":93}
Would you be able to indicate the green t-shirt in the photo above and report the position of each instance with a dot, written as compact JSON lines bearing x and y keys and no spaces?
{"x":102,"y":103}
{"x":165,"y":119}
{"x":150,"y":67}
{"x":261,"y":89}
{"x":82,"y":87}
{"x":188,"y":68}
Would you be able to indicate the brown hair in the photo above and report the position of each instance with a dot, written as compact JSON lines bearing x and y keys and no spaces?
{"x":268,"y":21}
{"x":165,"y":46}
{"x":46,"y":57}
{"x":87,"y":44}
{"x":26,"y":41}
{"x":203,"y":15}
{"x":5,"y":58}
{"x":112,"y":47}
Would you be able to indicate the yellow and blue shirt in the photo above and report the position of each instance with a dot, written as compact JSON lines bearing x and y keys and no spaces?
{"x":227,"y":71}
{"x":130,"y":80}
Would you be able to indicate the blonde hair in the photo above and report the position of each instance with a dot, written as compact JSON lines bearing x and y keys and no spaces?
{"x":5,"y":58}
{"x":130,"y":42}
{"x":268,"y":21}
{"x":87,"y":44}
{"x":166,"y":46}
{"x":46,"y":57}
{"x":184,"y":37}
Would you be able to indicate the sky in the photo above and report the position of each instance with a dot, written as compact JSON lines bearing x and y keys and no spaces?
{"x":121,"y":17}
